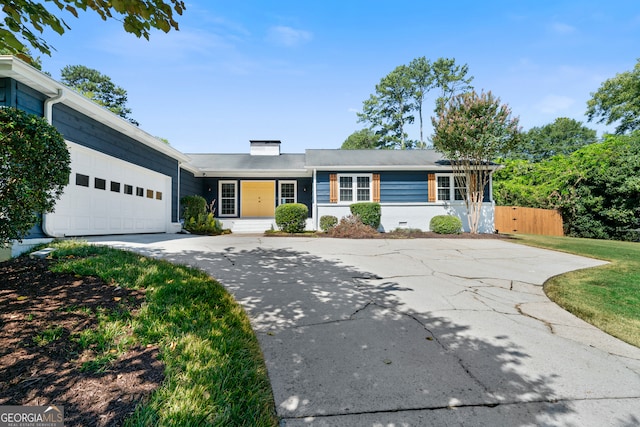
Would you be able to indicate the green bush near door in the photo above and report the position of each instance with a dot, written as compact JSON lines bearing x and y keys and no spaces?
{"x":292,"y":217}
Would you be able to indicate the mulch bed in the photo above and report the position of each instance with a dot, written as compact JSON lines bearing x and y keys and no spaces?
{"x":32,"y":300}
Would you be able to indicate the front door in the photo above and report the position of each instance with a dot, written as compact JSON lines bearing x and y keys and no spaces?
{"x":258,"y":198}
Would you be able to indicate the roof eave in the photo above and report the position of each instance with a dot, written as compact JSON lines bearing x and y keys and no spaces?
{"x":24,"y":73}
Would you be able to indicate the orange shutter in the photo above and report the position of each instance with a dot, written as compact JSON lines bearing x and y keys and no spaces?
{"x":431,"y":180}
{"x":376,"y":187}
{"x":333,"y":188}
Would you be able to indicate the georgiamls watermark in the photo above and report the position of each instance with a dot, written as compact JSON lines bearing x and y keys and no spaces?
{"x":32,"y":416}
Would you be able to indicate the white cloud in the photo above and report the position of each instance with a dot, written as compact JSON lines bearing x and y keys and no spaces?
{"x":553,"y":104}
{"x":287,"y":36}
{"x":562,"y":28}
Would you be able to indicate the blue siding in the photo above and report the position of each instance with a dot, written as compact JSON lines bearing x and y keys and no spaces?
{"x":395,"y":186}
{"x":15,"y":94}
{"x":322,"y":187}
{"x":404,"y":187}
{"x":90,"y":133}
{"x":5,"y":91}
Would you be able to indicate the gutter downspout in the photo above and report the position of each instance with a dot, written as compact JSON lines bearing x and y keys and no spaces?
{"x":178,"y":201}
{"x":315,"y":201}
{"x":48,"y":105}
{"x":48,"y":116}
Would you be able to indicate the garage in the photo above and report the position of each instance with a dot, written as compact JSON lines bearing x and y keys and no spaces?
{"x":107,"y":195}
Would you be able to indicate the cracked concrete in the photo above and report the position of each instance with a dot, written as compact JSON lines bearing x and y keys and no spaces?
{"x":417,"y":332}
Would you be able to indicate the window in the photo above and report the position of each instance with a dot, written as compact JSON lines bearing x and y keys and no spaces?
{"x":82,"y":180}
{"x":115,"y":187}
{"x":100,"y":184}
{"x":128,"y":189}
{"x":139,"y":191}
{"x":354,"y":188}
{"x":451,"y":187}
{"x":287,"y":192}
{"x":149,"y":194}
{"x":158,"y":195}
{"x":227,"y":191}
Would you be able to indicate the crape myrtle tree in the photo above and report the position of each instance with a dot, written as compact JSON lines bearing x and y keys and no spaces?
{"x":34,"y":168}
{"x":24,"y":21}
{"x":99,"y":88}
{"x":471,"y":130}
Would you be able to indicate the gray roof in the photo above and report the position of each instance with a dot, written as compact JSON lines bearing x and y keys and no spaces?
{"x":234,"y":164}
{"x":372,"y":159}
{"x":239,"y":165}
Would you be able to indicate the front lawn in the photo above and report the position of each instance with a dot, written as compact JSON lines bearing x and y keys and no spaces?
{"x":214,"y":373}
{"x":607,"y":296}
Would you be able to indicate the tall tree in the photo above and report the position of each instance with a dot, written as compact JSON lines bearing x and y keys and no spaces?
{"x":363,"y":139}
{"x":471,"y":130}
{"x":24,"y":20}
{"x":422,"y":80}
{"x":618,"y":100}
{"x":34,"y":168}
{"x":450,"y":78}
{"x":388,"y":111}
{"x":98,"y":87}
{"x":562,"y":137}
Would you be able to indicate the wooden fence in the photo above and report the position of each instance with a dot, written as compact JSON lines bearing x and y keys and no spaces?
{"x":515,"y":219}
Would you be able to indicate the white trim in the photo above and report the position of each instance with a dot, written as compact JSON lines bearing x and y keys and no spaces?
{"x":452,"y":188}
{"x":235,"y":198}
{"x":295,"y":190}
{"x":354,"y":187}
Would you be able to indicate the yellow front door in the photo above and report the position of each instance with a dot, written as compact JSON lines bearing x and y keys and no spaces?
{"x":258,"y":198}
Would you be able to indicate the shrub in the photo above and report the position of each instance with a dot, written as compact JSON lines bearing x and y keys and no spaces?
{"x":34,"y":169}
{"x":292,"y":217}
{"x":352,"y":227}
{"x":327,"y":222}
{"x":445,"y":224}
{"x":368,"y":212}
{"x":204,"y":224}
{"x":192,"y":207}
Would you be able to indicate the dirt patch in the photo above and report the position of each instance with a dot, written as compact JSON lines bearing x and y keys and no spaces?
{"x":41,"y":316}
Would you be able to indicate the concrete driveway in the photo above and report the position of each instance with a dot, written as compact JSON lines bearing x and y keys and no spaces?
{"x":416,"y":332}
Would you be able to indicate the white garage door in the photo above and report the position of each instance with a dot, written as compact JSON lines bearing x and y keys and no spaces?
{"x":106,"y":195}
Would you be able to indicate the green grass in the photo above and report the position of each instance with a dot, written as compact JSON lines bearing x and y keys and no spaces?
{"x":607,"y":296}
{"x":214,"y":370}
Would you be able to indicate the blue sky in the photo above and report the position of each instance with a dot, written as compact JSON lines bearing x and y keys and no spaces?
{"x":298,"y":71}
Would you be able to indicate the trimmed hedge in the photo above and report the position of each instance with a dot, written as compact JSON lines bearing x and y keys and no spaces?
{"x":292,"y":217}
{"x":369,"y":213}
{"x":445,"y":224}
{"x":327,"y":222}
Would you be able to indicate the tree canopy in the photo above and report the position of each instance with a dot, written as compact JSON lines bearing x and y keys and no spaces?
{"x":34,"y":168}
{"x":471,"y":130}
{"x":98,"y":87}
{"x":404,"y":91}
{"x":596,"y":188}
{"x":363,"y":139}
{"x":562,"y":137}
{"x":25,"y":20}
{"x":618,"y":101}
